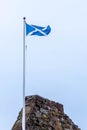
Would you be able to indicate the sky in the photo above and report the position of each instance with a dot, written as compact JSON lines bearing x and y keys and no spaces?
{"x":56,"y":65}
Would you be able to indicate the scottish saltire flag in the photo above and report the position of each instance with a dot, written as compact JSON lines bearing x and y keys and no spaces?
{"x":37,"y":30}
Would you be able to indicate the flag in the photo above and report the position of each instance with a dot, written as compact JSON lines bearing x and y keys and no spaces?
{"x":37,"y":30}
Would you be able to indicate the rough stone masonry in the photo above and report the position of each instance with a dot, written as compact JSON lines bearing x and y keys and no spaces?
{"x":43,"y":114}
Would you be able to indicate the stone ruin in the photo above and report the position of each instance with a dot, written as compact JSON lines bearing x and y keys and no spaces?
{"x":43,"y":114}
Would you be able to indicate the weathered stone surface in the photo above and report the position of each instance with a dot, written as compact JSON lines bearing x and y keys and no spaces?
{"x":43,"y":114}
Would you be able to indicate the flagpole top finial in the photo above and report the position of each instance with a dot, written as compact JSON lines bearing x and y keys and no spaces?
{"x":24,"y":18}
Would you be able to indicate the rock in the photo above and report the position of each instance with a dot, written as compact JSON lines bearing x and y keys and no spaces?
{"x":43,"y":114}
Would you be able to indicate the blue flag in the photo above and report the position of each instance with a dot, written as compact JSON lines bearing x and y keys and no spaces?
{"x":37,"y":30}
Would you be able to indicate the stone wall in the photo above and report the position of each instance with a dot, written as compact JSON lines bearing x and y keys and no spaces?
{"x":43,"y":114}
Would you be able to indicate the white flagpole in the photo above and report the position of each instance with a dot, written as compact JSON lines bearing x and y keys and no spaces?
{"x":23,"y":116}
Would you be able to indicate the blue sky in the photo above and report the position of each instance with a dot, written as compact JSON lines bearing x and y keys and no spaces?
{"x":56,"y":65}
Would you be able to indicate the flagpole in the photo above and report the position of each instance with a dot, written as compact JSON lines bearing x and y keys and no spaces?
{"x":23,"y":116}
